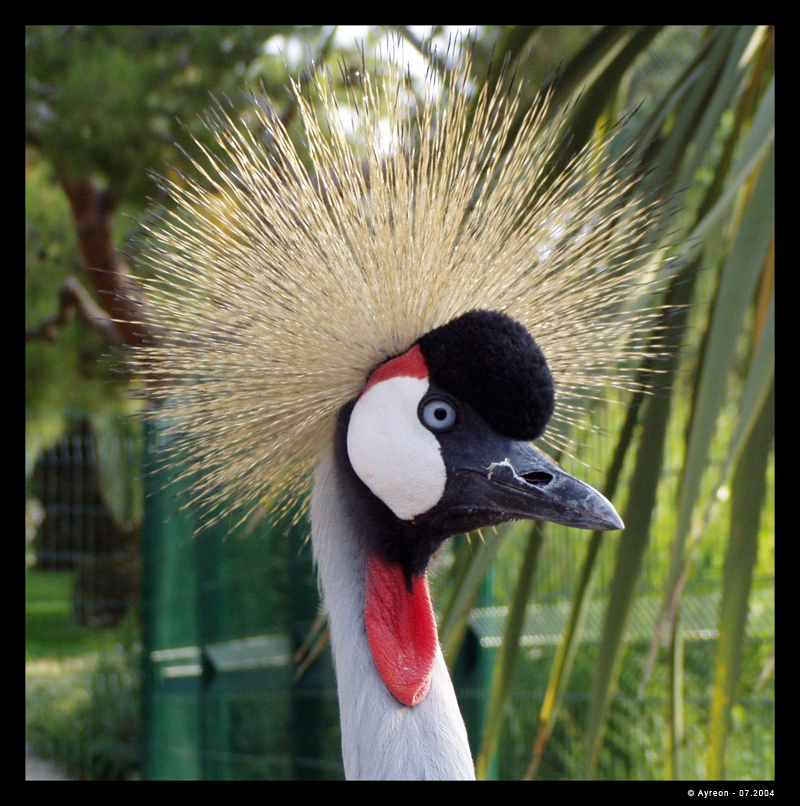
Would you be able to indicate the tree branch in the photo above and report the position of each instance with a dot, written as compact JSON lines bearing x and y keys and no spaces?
{"x":74,"y":297}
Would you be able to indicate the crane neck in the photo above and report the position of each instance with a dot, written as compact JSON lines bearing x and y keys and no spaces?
{"x":381,"y":737}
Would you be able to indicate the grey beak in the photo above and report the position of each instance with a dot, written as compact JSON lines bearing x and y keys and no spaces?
{"x":505,"y":480}
{"x":529,"y":484}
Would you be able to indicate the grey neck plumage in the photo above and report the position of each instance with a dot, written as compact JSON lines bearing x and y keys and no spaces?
{"x":381,"y":738}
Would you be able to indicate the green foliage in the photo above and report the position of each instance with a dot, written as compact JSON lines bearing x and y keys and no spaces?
{"x":77,"y":372}
{"x":114,"y":100}
{"x":84,"y":712}
{"x":81,"y":685}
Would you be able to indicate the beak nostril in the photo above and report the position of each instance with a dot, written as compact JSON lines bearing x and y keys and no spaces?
{"x":538,"y":478}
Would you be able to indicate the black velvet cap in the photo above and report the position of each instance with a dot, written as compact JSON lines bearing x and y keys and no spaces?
{"x":490,"y":361}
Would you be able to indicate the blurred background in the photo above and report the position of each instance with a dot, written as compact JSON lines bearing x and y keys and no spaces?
{"x":156,"y":652}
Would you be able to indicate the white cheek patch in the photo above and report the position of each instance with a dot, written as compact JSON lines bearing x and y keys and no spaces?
{"x":391,"y":451}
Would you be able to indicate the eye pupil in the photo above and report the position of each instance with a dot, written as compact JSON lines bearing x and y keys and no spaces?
{"x":440,"y":414}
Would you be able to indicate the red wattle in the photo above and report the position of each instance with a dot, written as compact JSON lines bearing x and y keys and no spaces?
{"x":401,"y":628}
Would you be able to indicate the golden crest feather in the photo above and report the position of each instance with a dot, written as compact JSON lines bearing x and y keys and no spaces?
{"x":279,"y":279}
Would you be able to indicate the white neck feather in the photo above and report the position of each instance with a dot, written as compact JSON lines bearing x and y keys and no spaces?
{"x":381,"y":738}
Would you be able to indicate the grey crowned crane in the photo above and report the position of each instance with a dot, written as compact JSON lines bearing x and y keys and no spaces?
{"x":362,"y":315}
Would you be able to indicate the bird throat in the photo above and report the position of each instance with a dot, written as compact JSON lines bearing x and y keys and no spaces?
{"x":401,"y":628}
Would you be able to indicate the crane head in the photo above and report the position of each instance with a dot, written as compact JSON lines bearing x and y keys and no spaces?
{"x":441,"y":435}
{"x":439,"y":442}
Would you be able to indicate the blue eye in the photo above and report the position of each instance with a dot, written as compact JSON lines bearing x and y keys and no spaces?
{"x":437,"y":414}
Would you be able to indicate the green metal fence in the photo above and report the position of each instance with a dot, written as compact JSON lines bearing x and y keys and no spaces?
{"x":224,"y":612}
